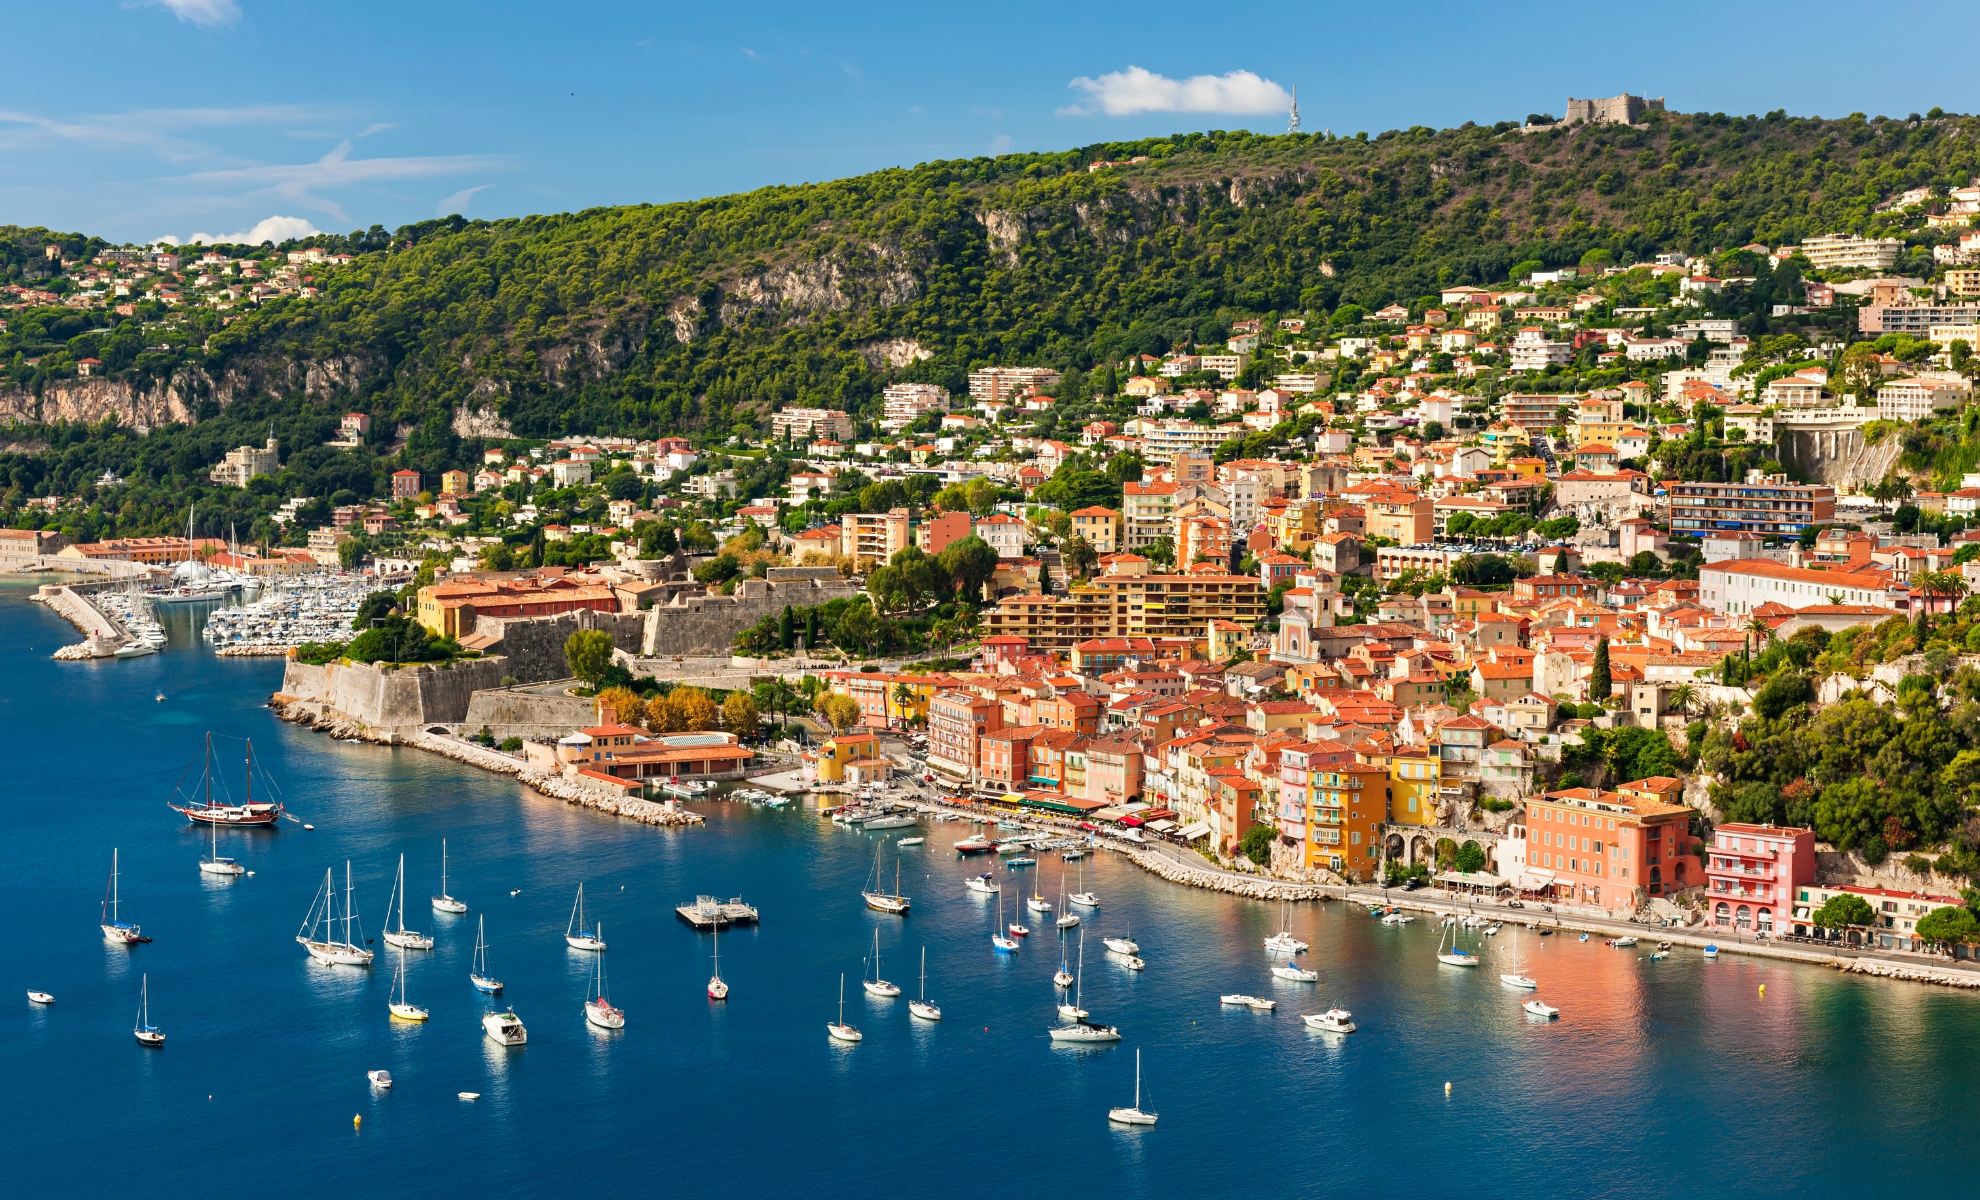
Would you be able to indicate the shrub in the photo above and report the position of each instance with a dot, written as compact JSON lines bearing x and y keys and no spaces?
{"x":511,"y":744}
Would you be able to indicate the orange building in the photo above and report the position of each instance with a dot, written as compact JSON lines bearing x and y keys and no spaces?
{"x":1611,"y":849}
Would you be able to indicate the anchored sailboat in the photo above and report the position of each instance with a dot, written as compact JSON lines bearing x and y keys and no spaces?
{"x":575,"y":933}
{"x":920,"y":1007}
{"x":1514,"y":978}
{"x":322,"y":916}
{"x":881,"y":901}
{"x":403,"y":938}
{"x":213,"y":864}
{"x":1454,"y":957}
{"x":479,"y":976}
{"x":717,"y":989}
{"x":400,"y":1008}
{"x":877,"y":986}
{"x":1073,"y":1012}
{"x":116,"y":932}
{"x":597,"y":1009}
{"x":247,"y":813}
{"x":148,"y":1035}
{"x":839,"y":1030}
{"x":1133,"y":1115}
{"x":443,"y":902}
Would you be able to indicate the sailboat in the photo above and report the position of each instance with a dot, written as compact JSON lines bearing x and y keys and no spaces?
{"x":575,"y":934}
{"x":997,"y":938}
{"x":479,"y":977}
{"x":1063,"y":978}
{"x":1454,"y":957}
{"x":401,"y":1010}
{"x":877,"y":986}
{"x":1283,"y":942}
{"x":147,"y":1034}
{"x":1513,"y":979}
{"x":213,"y":864}
{"x":1037,"y":903}
{"x":1067,"y":917}
{"x":1125,"y":944}
{"x":247,"y":812}
{"x":403,"y":938}
{"x":881,"y":901}
{"x":323,"y":915}
{"x":840,"y":1031}
{"x":717,"y":989}
{"x":920,"y":1006}
{"x":444,"y":902}
{"x":1084,"y":898}
{"x":1133,"y":1114}
{"x":1073,"y":1012}
{"x":196,"y":583}
{"x":597,"y":1009}
{"x":116,"y":932}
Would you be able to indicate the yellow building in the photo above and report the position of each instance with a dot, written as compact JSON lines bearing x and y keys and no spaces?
{"x":908,"y":697}
{"x":1227,"y":638}
{"x":455,"y":483}
{"x":1413,"y":780}
{"x":1295,"y":526}
{"x":847,"y":758}
{"x":1100,"y":526}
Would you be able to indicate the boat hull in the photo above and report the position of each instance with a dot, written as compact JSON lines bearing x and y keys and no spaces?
{"x":123,"y":935}
{"x":924,"y":1010}
{"x":447,"y":904}
{"x":717,"y":990}
{"x":408,"y":1012}
{"x":504,"y":1029}
{"x":337,"y":954}
{"x":880,"y":902}
{"x":482,"y":983}
{"x":151,"y":1039}
{"x":225,"y":866}
{"x":1130,"y":1116}
{"x":1122,"y":945}
{"x":244,"y":815}
{"x":1086,"y":1034}
{"x":584,"y":941}
{"x":604,"y":1015}
{"x":405,"y":939}
{"x":843,"y":1033}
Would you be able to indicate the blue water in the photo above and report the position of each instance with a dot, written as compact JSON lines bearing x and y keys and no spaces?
{"x":1667,"y":1078}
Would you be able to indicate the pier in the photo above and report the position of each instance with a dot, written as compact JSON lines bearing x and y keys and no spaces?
{"x":709,"y":913}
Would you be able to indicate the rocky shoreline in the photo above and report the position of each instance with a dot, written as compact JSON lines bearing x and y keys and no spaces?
{"x":1910,"y":974}
{"x":1216,"y":881}
{"x":646,"y":812}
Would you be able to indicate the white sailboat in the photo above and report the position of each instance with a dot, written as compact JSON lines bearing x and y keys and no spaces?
{"x":717,"y":989}
{"x":322,"y":916}
{"x":877,"y":986}
{"x":1454,"y":957}
{"x":1082,"y":897}
{"x":998,"y":939}
{"x":1125,"y":944}
{"x":1514,"y":979}
{"x":1067,"y":917}
{"x":1073,"y":1011}
{"x":479,"y":976}
{"x":575,"y":934}
{"x":403,"y":938}
{"x":1283,"y":942}
{"x":1133,"y":1115}
{"x":147,"y":1034}
{"x":444,"y":902}
{"x":597,"y":1009}
{"x":402,"y":1010}
{"x":1063,"y":979}
{"x":1295,"y":974}
{"x":504,"y":1028}
{"x":116,"y":932}
{"x":1036,"y":902}
{"x":213,"y":864}
{"x":839,"y":1030}
{"x":920,"y":1006}
{"x":881,"y":901}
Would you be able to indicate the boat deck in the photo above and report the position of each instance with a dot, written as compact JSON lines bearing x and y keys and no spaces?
{"x":706,"y":912}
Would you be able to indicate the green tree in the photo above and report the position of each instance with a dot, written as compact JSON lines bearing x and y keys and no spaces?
{"x":786,"y":629}
{"x":589,"y":653}
{"x":1845,"y":909}
{"x":1948,"y":925}
{"x":1256,"y":844}
{"x":375,"y":605}
{"x":1470,"y":857}
{"x":970,"y":562}
{"x":1600,"y":686}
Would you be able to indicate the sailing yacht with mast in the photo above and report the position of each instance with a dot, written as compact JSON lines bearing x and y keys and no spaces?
{"x":148,"y":1035}
{"x":1038,"y":903}
{"x":1073,"y":1012}
{"x":322,"y":916}
{"x":998,"y":938}
{"x":1454,"y":957}
{"x":920,"y":1006}
{"x":1283,"y":942}
{"x":403,"y":938}
{"x":597,"y":1009}
{"x":575,"y":934}
{"x":1067,"y":917}
{"x":479,"y":976}
{"x":246,"y":813}
{"x":717,"y":989}
{"x":839,"y":1030}
{"x":1082,"y":897}
{"x":1514,"y":978}
{"x":402,"y":1010}
{"x":117,"y":932}
{"x":1133,"y":1115}
{"x":881,"y":901}
{"x":213,"y":864}
{"x":443,"y":902}
{"x":877,"y":986}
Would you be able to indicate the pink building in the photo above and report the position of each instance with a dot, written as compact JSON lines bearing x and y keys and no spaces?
{"x":1751,"y":872}
{"x":405,"y":485}
{"x":1113,"y":770}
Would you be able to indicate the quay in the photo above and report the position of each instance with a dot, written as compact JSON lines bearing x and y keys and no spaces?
{"x":101,"y":635}
{"x":709,"y":913}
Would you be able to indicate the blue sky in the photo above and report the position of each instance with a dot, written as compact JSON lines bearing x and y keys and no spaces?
{"x":139,"y":118}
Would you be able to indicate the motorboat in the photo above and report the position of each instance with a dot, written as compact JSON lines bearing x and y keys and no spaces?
{"x":1237,"y":1000}
{"x":1022,"y":860}
{"x":1072,"y":855}
{"x":1134,"y":962}
{"x":35,"y":997}
{"x":1622,"y":943}
{"x":468,"y":1095}
{"x":1296,"y":974}
{"x":985,"y":883}
{"x":1711,"y":950}
{"x":136,"y":649}
{"x":1084,"y":1031}
{"x":1537,"y":1008}
{"x":1334,"y":1020}
{"x":1525,"y":983}
{"x":1397,"y":918}
{"x":382,"y":1080}
{"x":504,"y":1028}
{"x":839,"y":1030}
{"x":976,"y":844}
{"x":892,"y":821}
{"x":1133,"y":1115}
{"x":913,"y":841}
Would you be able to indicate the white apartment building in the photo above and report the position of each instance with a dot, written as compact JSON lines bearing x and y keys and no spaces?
{"x":1227,"y":366}
{"x":1740,"y":585}
{"x":1146,"y":511}
{"x":1003,"y":532}
{"x":1008,"y":383}
{"x":1531,"y":351}
{"x":906,"y":401}
{"x":1917,"y":398}
{"x":1161,"y":443}
{"x":1842,"y":250}
{"x":811,"y":424}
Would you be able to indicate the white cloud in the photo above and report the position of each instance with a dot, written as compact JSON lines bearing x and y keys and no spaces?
{"x":458,"y":202}
{"x":1135,"y":90}
{"x":209,"y":13}
{"x":159,"y":130}
{"x":377,"y":127}
{"x":302,"y":182}
{"x":269,"y":229}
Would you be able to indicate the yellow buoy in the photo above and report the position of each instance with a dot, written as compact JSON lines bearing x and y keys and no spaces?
{"x":1763,"y":989}
{"x":1447,"y":1087}
{"x":357,"y":1120}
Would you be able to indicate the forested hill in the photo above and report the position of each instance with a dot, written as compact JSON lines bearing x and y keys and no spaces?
{"x":699,"y":315}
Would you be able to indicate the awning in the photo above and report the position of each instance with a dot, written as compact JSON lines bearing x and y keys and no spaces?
{"x":1012,"y":798}
{"x":1470,"y":879}
{"x":1191,"y":832}
{"x":1161,"y":826}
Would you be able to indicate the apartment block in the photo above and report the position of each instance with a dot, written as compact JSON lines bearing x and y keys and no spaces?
{"x":1765,"y":504}
{"x":1129,"y":603}
{"x":811,"y":424}
{"x":870,"y":539}
{"x":904,"y":402}
{"x":1845,"y":250}
{"x":1008,"y":383}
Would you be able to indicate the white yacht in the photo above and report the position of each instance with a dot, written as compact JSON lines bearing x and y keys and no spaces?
{"x":148,"y":1035}
{"x":116,"y":932}
{"x":322,"y":916}
{"x":1132,"y":1115}
{"x":443,"y":902}
{"x":839,"y":1030}
{"x":399,"y":1007}
{"x":597,"y":1009}
{"x":504,"y":1028}
{"x":575,"y":934}
{"x":920,"y":1006}
{"x":985,"y":883}
{"x":1537,"y":1008}
{"x":1334,"y":1020}
{"x":1236,"y":1000}
{"x":877,"y":986}
{"x":1296,"y":974}
{"x":403,"y":938}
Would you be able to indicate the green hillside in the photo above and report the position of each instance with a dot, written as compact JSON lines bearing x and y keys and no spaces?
{"x":698,"y":316}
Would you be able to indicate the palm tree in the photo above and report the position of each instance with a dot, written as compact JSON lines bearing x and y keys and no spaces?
{"x":1761,"y":631}
{"x":1683,"y":697}
{"x":1941,"y":583}
{"x":903,"y":698}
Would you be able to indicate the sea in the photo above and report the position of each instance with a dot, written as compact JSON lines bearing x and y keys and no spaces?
{"x":1684,"y":1077}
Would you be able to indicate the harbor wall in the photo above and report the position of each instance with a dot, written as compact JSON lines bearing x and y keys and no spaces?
{"x":387,"y":697}
{"x":508,"y":713}
{"x":534,"y":646}
{"x":708,"y":625}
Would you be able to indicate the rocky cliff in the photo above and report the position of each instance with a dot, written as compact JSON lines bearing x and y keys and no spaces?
{"x":145,"y":404}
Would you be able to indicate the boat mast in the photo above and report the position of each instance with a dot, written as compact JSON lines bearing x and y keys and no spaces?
{"x":206,"y":769}
{"x":248,"y":770}
{"x":347,"y":902}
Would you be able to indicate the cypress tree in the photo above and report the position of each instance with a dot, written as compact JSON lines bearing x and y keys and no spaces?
{"x":1599,"y":684}
{"x":786,"y":629}
{"x":1044,"y":577}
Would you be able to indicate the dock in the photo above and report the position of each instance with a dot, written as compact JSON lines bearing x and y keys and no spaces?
{"x":709,"y":913}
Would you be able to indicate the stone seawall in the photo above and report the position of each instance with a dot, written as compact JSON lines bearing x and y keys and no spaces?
{"x":388,"y":698}
{"x":534,"y":646}
{"x":507,"y":713}
{"x":1217,"y":881}
{"x":646,"y":812}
